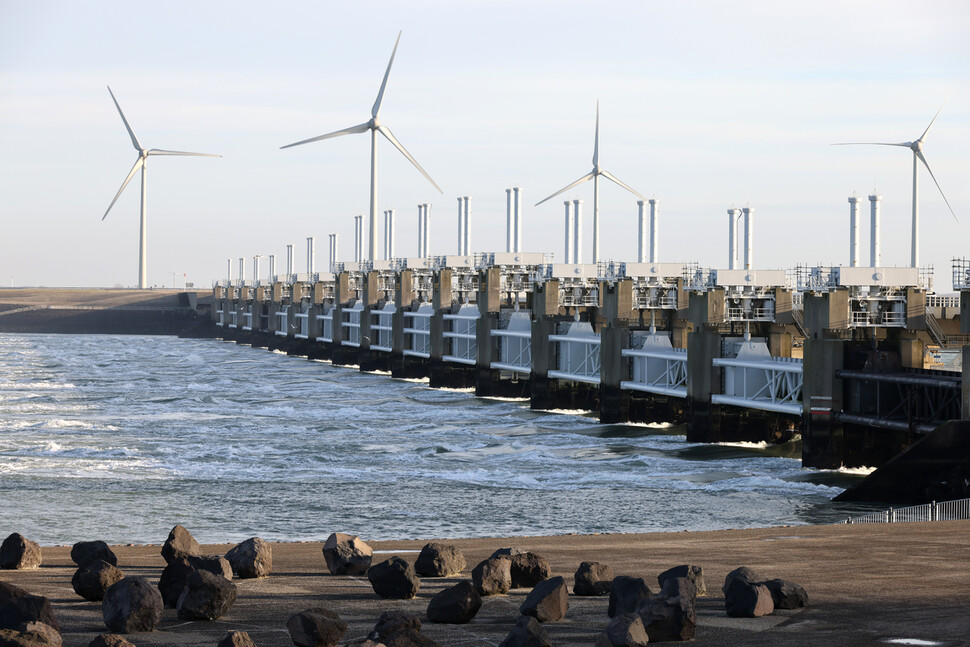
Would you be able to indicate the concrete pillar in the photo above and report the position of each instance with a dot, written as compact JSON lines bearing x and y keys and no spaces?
{"x":965,"y":386}
{"x":853,"y":231}
{"x":875,"y":256}
{"x":543,"y":389}
{"x":577,"y":231}
{"x":489,"y":295}
{"x":733,"y":238}
{"x":779,"y":341}
{"x":822,"y":435}
{"x":517,"y":241}
{"x":487,"y":352}
{"x":641,"y":232}
{"x":508,"y":220}
{"x":614,"y":402}
{"x":654,"y":233}
{"x":703,"y":379}
{"x":748,"y":238}
{"x":569,"y":233}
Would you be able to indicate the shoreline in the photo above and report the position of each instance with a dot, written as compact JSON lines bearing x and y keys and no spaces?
{"x":866,"y":583}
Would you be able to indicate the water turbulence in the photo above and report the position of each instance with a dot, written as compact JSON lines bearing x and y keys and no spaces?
{"x":119,"y":438}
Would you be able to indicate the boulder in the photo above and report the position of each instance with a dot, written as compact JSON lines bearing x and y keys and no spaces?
{"x":251,"y":558}
{"x":131,"y":605}
{"x":180,"y":543}
{"x":741,"y":573}
{"x":87,"y":551}
{"x":31,"y":634}
{"x":93,"y":579}
{"x":394,"y":579}
{"x":592,"y":578}
{"x":624,"y":630}
{"x":787,"y":595}
{"x":527,"y":632}
{"x":670,"y":617}
{"x":347,"y":554}
{"x":455,"y":605}
{"x":215,"y":564}
{"x":399,"y":629}
{"x":109,"y":640}
{"x":439,"y":560}
{"x":172,"y":581}
{"x":236,"y":639}
{"x":206,"y":596}
{"x":364,"y":642}
{"x":548,"y":601}
{"x":316,"y":628}
{"x":679,"y":586}
{"x":25,"y":609}
{"x":626,"y":594}
{"x":694,"y":573}
{"x":18,"y":552}
{"x":507,"y":552}
{"x":493,"y":576}
{"x":744,"y":599}
{"x":528,"y":569}
{"x":9,"y":591}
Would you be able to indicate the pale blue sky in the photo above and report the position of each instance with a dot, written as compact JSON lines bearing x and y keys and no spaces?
{"x":703,"y":105}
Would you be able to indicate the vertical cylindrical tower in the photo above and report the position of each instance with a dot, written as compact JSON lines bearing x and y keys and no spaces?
{"x":654,"y":240}
{"x":425,"y":228}
{"x":461,"y":225}
{"x":508,"y":220}
{"x":256,"y":268}
{"x":311,"y":260}
{"x":272,"y":267}
{"x":289,"y":260}
{"x":733,"y":238}
{"x":569,"y":233}
{"x":853,"y":231}
{"x":420,"y":231}
{"x":466,"y":243}
{"x":242,"y":270}
{"x":748,"y":237}
{"x":875,"y":255}
{"x":390,"y":234}
{"x":229,"y":270}
{"x":641,"y":233}
{"x":333,"y":252}
{"x":577,"y":231}
{"x":517,"y":241}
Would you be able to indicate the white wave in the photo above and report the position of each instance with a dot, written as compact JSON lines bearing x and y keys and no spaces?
{"x":858,"y":471}
{"x":416,"y":380}
{"x":745,"y":445}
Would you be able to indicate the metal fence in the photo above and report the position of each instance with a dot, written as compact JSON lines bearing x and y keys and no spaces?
{"x":942,"y":511}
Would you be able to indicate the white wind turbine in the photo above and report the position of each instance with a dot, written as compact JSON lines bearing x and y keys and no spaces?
{"x":140,"y":163}
{"x":917,"y":148}
{"x":595,"y":176}
{"x":374,"y":126}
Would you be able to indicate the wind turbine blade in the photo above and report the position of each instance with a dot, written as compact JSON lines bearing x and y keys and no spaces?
{"x":596,"y":141}
{"x":588,"y":176}
{"x":923,"y":136}
{"x":903,"y":144}
{"x":380,"y":95}
{"x":134,"y":140}
{"x":159,"y":151}
{"x":390,"y":137}
{"x":919,"y":154}
{"x":361,"y":128}
{"x":610,"y":176}
{"x":134,"y":169}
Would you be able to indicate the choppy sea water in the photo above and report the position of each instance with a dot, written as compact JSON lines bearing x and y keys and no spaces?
{"x":120,"y":437}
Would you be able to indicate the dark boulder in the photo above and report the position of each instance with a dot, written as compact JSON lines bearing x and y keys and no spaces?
{"x":548,"y":601}
{"x":180,"y":544}
{"x":507,"y":552}
{"x":744,"y":599}
{"x":347,"y":554}
{"x":9,"y":591}
{"x":625,"y":630}
{"x":592,"y":578}
{"x":206,"y":596}
{"x":109,"y":640}
{"x":18,"y":552}
{"x":31,"y":634}
{"x":215,"y":564}
{"x":94,"y":578}
{"x":493,"y":576}
{"x":455,"y":605}
{"x":670,"y":617}
{"x":439,"y":560}
{"x":625,"y":594}
{"x":744,"y":574}
{"x":236,"y":639}
{"x":527,"y":632}
{"x":87,"y":551}
{"x":172,"y":581}
{"x":400,"y":629}
{"x":528,"y":569}
{"x":251,"y":558}
{"x":316,"y":628}
{"x":394,"y":579}
{"x":787,"y":595}
{"x":693,"y":573}
{"x":679,"y":587}
{"x":131,"y":605}
{"x":23,"y":609}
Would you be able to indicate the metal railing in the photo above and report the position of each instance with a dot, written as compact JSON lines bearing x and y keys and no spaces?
{"x":515,"y":351}
{"x":326,"y":326}
{"x":770,"y":385}
{"x":578,"y":358}
{"x":417,"y":330}
{"x":283,"y":322}
{"x":461,"y":341}
{"x":303,"y":319}
{"x":942,"y":511}
{"x":351,"y":324}
{"x":663,"y":372}
{"x":382,"y":329}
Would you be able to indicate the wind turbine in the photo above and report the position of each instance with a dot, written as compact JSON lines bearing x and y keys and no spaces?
{"x":140,"y":163}
{"x":595,"y":176}
{"x":917,"y":148}
{"x":374,"y":126}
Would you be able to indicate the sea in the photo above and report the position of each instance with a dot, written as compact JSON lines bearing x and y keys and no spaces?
{"x":119,"y":438}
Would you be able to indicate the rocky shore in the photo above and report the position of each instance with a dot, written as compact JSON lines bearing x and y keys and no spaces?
{"x":867,"y":585}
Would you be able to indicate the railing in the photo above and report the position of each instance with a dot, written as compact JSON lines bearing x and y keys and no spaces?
{"x":942,"y":511}
{"x":382,"y":329}
{"x":663,"y":371}
{"x":351,"y":324}
{"x":233,"y":319}
{"x":937,"y":301}
{"x":578,"y":358}
{"x":326,"y":326}
{"x":461,"y":341}
{"x":770,"y":385}
{"x":417,"y":330}
{"x":515,"y":351}
{"x":303,"y":317}
{"x":283,"y":322}
{"x":248,"y":319}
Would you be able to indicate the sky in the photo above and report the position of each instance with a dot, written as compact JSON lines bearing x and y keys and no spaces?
{"x":703,"y":106}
